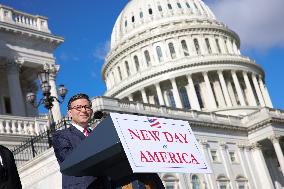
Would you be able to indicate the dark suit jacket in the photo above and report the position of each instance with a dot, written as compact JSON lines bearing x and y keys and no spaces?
{"x":64,"y":141}
{"x":9,"y":177}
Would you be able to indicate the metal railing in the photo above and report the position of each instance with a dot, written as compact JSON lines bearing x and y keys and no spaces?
{"x":36,"y":145}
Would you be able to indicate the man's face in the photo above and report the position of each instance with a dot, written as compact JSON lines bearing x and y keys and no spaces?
{"x":80,"y":112}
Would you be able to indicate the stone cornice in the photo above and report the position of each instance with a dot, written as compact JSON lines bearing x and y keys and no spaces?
{"x":138,"y":41}
{"x":195,"y":63}
{"x":30,"y":32}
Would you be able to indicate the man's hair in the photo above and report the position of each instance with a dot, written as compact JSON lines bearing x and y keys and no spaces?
{"x":76,"y":97}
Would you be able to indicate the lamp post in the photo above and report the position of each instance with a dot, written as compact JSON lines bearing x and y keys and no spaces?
{"x":47,"y":100}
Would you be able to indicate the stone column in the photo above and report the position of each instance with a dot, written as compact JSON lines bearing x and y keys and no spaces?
{"x":159,"y":94}
{"x":265,"y":93}
{"x":224,"y":88}
{"x":238,"y":88}
{"x":261,"y":168}
{"x":176,"y":93}
{"x":130,"y":97}
{"x":251,"y":96}
{"x":210,"y":97}
{"x":53,"y":70}
{"x":257,"y":89}
{"x":144,"y":96}
{"x":15,"y":90}
{"x":192,"y":94}
{"x":275,"y":141}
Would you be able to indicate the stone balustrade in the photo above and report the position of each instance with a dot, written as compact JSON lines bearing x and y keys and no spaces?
{"x":17,"y":125}
{"x":11,"y":16}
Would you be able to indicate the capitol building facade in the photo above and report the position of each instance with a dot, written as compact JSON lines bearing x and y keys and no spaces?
{"x":169,"y":59}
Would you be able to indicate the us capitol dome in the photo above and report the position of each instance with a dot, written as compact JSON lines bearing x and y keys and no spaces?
{"x":176,"y":53}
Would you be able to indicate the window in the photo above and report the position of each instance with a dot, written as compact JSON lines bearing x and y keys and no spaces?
{"x":141,"y":14}
{"x":223,"y":182}
{"x":125,"y":23}
{"x":188,"y":6}
{"x":198,"y":94}
{"x":184,"y":98}
{"x":147,"y":57}
{"x":171,"y":99}
{"x":127,"y":68}
{"x":136,"y":61}
{"x":214,"y":155}
{"x":133,"y":19}
{"x":172,"y":50}
{"x":7,"y":105}
{"x":197,"y":47}
{"x":195,"y":182}
{"x":159,"y":53}
{"x":150,"y":11}
{"x":233,"y":157}
{"x":179,"y":5}
{"x":160,"y":8}
{"x":218,"y":45}
{"x":119,"y":73}
{"x":208,"y":45}
{"x":184,"y":48}
{"x":170,"y":6}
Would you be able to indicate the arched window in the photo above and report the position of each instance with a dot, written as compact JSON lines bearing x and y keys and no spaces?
{"x":197,"y":47}
{"x":198,"y":94}
{"x":127,"y":68}
{"x":147,"y":57}
{"x":223,"y":182}
{"x":150,"y":11}
{"x":184,"y":48}
{"x":208,"y":45}
{"x":119,"y":73}
{"x":170,"y":6}
{"x":133,"y":19}
{"x":179,"y":5}
{"x":141,"y":14}
{"x":125,"y":23}
{"x":160,"y":8}
{"x":172,"y":50}
{"x":159,"y":53}
{"x":184,"y":98}
{"x":218,"y":45}
{"x":171,"y":99}
{"x":136,"y":61}
{"x":195,"y":182}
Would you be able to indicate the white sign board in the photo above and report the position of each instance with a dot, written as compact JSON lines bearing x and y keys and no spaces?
{"x":159,"y":145}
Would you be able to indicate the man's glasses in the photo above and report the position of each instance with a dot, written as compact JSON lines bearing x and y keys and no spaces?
{"x":80,"y":108}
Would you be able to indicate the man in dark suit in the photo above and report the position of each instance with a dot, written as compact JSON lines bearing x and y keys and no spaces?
{"x":65,"y":141}
{"x":9,"y":177}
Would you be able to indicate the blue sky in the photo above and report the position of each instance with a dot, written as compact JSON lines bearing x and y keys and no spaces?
{"x":87,"y":25}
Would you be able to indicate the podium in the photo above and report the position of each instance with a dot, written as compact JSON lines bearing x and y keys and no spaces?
{"x":102,"y":155}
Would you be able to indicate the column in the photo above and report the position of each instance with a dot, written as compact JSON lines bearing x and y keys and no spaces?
{"x":53,"y":70}
{"x":15,"y":90}
{"x":265,"y":93}
{"x":275,"y":141}
{"x":227,"y":164}
{"x":210,"y":97}
{"x":224,"y":88}
{"x":192,"y":94}
{"x":211,"y":177}
{"x":160,"y":95}
{"x":176,"y":93}
{"x":130,"y":97}
{"x":144,"y":96}
{"x":261,"y":168}
{"x":251,"y":96}
{"x":257,"y":89}
{"x":238,"y":88}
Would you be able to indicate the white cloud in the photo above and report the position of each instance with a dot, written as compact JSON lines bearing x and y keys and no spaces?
{"x":259,"y":23}
{"x":101,"y":50}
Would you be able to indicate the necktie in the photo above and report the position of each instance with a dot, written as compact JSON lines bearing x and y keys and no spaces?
{"x":86,"y":132}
